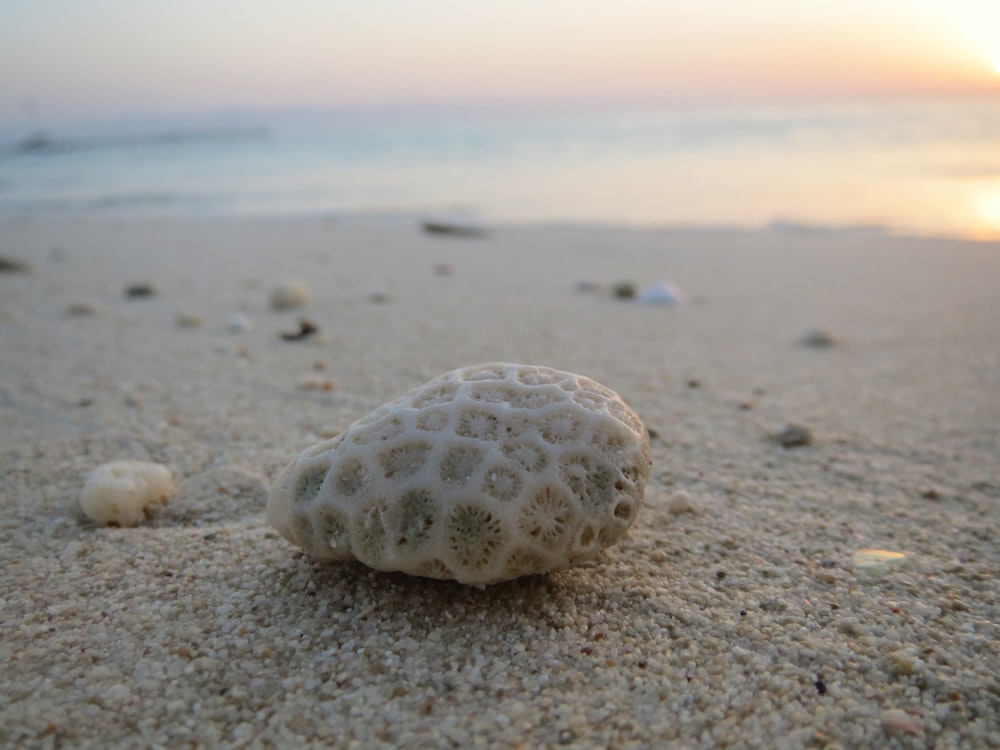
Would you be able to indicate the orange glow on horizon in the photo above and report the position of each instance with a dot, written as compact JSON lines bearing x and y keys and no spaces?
{"x":334,"y":53}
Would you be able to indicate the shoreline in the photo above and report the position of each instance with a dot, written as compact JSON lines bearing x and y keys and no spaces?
{"x":751,"y":618}
{"x":415,"y":218}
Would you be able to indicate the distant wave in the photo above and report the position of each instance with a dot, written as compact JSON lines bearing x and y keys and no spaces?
{"x":790,"y":226}
{"x":138,"y":200}
{"x":43,"y":143}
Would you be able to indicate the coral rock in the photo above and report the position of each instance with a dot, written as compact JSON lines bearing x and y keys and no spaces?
{"x":122,"y":492}
{"x":482,"y":475}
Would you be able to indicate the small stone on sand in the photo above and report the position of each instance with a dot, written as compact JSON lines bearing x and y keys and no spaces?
{"x":81,"y":310}
{"x":929,"y":493}
{"x":13,"y":265}
{"x":681,"y":502}
{"x":289,"y":294}
{"x":141,"y":290}
{"x":792,"y":436}
{"x":188,"y":320}
{"x":306,"y":329}
{"x":816,"y":338}
{"x":624,"y":290}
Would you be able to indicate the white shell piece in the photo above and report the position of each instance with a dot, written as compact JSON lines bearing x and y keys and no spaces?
{"x":663,"y":293}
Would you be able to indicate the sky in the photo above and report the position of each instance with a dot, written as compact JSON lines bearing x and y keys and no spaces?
{"x":65,"y":60}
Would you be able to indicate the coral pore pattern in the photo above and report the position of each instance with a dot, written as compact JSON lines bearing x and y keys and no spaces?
{"x":484,"y":474}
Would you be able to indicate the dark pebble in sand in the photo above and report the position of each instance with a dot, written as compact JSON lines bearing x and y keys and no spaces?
{"x":80,"y":310}
{"x":12,"y":265}
{"x":306,"y":329}
{"x":792,"y":436}
{"x":624,"y":290}
{"x":817,"y":338}
{"x":140,"y":291}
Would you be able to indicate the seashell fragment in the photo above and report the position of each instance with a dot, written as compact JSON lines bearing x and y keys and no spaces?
{"x":481,"y":475}
{"x":663,"y":293}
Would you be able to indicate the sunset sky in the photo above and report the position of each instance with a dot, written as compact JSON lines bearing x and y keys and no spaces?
{"x":62,"y":60}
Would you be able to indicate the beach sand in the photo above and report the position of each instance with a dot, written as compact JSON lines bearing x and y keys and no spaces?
{"x":748,"y":621}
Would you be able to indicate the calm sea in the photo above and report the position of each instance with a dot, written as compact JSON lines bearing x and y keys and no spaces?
{"x":929,"y":167}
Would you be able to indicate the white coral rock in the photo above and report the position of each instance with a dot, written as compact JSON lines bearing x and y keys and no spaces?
{"x":482,"y":475}
{"x":122,"y":492}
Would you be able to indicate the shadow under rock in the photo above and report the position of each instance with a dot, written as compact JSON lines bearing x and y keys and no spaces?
{"x":544,"y":601}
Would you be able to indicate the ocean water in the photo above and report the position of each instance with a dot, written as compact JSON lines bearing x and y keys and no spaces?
{"x":924,"y":167}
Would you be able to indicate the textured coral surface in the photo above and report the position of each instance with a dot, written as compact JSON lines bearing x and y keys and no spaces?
{"x":484,"y":474}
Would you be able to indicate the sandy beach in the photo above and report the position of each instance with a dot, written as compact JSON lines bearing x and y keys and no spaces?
{"x":748,"y":620}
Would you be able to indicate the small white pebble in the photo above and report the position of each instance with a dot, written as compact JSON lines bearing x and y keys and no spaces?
{"x":121,"y":492}
{"x":239,"y":323}
{"x":681,"y":502}
{"x":289,"y":294}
